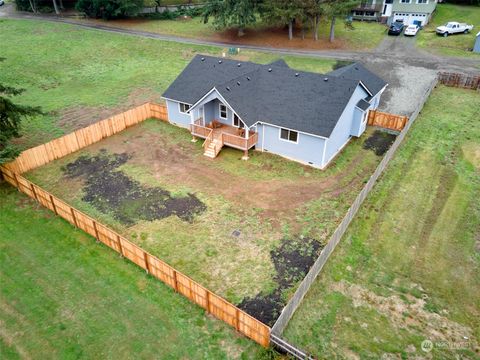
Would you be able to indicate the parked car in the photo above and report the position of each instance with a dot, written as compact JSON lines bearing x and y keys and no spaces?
{"x":411,"y":30}
{"x":454,"y":27}
{"x":396,"y":28}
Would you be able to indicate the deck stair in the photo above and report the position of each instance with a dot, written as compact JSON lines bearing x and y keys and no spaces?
{"x":212,"y":146}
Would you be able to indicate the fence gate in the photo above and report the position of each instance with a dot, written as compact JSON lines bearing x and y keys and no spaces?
{"x":386,"y":120}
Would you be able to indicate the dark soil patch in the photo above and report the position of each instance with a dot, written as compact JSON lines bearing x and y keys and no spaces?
{"x":379,"y":142}
{"x":292,"y":260}
{"x":111,"y":191}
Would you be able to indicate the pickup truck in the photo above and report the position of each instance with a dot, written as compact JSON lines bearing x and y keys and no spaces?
{"x":453,"y":27}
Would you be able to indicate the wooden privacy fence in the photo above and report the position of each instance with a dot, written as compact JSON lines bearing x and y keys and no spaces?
{"x":386,"y":120}
{"x":67,"y":144}
{"x":460,"y":80}
{"x":181,"y":283}
{"x":312,"y":274}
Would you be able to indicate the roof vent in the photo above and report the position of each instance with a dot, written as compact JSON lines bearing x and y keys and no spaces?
{"x":228,"y":88}
{"x":269,"y":69}
{"x":203,"y":59}
{"x":325,"y":79}
{"x":248,"y":78}
{"x":239,"y":64}
{"x":297,"y":74}
{"x":219,"y":61}
{"x":238,"y":83}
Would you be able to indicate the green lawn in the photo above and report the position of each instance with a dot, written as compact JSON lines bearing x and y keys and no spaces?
{"x":68,"y":66}
{"x":64,"y":296}
{"x":455,"y":45}
{"x":408,"y":269}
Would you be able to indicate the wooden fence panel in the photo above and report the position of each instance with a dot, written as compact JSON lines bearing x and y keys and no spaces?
{"x":253,"y":329}
{"x":9,"y":176}
{"x":108,"y":237}
{"x":223,"y":310}
{"x":386,"y":120}
{"x":86,"y":223}
{"x":162,"y":271}
{"x":459,"y":80}
{"x":133,"y":252}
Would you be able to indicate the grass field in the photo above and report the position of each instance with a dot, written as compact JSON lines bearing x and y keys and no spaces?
{"x":364,"y":35}
{"x":63,"y":296}
{"x":455,"y":45}
{"x":408,"y":268}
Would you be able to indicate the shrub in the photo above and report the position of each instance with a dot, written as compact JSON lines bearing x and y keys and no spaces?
{"x":109,"y":9}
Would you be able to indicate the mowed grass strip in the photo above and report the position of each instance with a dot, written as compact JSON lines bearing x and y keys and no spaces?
{"x":408,"y":269}
{"x":453,"y":45}
{"x":64,"y":296}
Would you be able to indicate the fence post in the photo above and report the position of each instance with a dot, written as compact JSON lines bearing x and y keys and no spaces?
{"x":208,"y":300}
{"x":53,"y":205}
{"x":175,"y":285}
{"x":96,"y":230}
{"x":120,"y":245}
{"x":73,"y":216}
{"x":16,"y":180}
{"x":145,"y":258}
{"x":33,"y":191}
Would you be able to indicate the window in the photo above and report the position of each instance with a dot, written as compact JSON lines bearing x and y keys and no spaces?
{"x":289,"y":135}
{"x":184,"y":107}
{"x":388,"y":1}
{"x":405,"y":1}
{"x":422,"y":1}
{"x":369,"y":13}
{"x":237,"y":122}
{"x":223,"y":111}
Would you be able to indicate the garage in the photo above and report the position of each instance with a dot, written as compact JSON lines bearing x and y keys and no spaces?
{"x":411,"y":18}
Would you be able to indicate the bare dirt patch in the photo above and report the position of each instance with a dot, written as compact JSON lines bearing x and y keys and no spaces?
{"x":111,"y":191}
{"x":292,"y":260}
{"x":379,"y":142}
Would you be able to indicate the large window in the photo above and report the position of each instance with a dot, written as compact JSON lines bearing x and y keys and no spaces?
{"x":405,"y":1}
{"x":223,"y":111}
{"x":422,"y":1}
{"x":237,"y":122}
{"x":289,"y":135}
{"x":184,"y":107}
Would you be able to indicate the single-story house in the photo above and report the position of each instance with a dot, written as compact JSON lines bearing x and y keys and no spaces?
{"x":302,"y":116}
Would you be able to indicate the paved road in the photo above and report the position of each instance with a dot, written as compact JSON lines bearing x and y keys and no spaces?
{"x":408,"y":70}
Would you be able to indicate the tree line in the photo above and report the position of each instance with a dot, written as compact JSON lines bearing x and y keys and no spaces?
{"x":306,"y":14}
{"x":239,"y":14}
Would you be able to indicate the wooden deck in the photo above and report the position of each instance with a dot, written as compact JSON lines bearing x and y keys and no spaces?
{"x":220,"y":135}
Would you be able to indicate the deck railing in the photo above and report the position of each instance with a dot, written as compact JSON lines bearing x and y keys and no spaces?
{"x":231,"y":140}
{"x":200,"y":130}
{"x":240,"y":142}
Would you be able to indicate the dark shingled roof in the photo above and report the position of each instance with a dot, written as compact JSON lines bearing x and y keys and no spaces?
{"x":280,"y":62}
{"x":357,"y":71}
{"x":273,"y":93}
{"x":364,"y":105}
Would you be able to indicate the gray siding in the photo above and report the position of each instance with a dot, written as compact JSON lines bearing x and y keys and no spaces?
{"x":476,"y":46}
{"x":359,"y":122}
{"x":175,"y":116}
{"x":342,"y":131}
{"x":308,"y":149}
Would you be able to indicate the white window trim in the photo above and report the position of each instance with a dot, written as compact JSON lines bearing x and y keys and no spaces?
{"x":220,"y":111}
{"x":405,"y":1}
{"x":180,"y":108}
{"x":422,"y":3}
{"x":287,"y":140}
